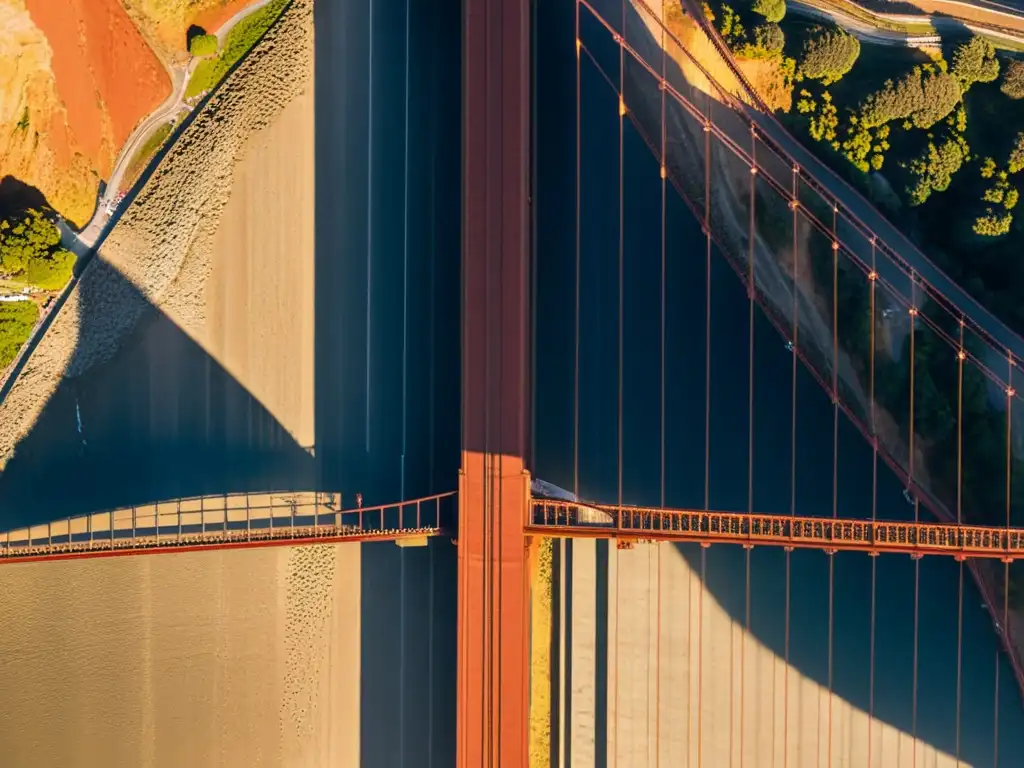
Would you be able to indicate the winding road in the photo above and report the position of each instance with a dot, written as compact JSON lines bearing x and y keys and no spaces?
{"x":180,"y":76}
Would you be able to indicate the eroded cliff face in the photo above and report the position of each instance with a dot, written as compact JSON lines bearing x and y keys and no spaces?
{"x":76,"y":78}
{"x":37,"y":146}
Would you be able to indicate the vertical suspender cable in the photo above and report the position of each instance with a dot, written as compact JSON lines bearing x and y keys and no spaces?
{"x":960,"y":356}
{"x":369,"y":236}
{"x":576,"y":373}
{"x":1006,"y":563}
{"x":750,"y":422}
{"x":795,"y":205}
{"x":622,"y":118}
{"x":917,"y":512}
{"x":835,"y":461}
{"x":707,"y":431}
{"x":405,"y":369}
{"x":405,"y":255}
{"x":873,"y":279}
{"x":664,"y":236}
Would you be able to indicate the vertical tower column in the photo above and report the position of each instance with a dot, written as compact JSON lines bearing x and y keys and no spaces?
{"x":494,"y":486}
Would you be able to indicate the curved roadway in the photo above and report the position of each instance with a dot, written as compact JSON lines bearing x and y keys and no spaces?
{"x":180,"y":76}
{"x":857,"y":27}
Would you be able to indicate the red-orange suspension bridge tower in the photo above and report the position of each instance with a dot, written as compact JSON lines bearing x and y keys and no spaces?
{"x":492,"y":686}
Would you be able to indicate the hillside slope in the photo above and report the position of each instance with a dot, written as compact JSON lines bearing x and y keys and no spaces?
{"x":77,"y":76}
{"x":165,"y":23}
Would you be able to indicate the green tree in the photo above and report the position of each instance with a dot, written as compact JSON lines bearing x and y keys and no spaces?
{"x":768,"y":42}
{"x":30,"y":251}
{"x":1016,"y":160}
{"x":16,"y":322}
{"x":922,"y":97}
{"x":203,"y":45}
{"x":933,"y":169}
{"x":975,"y":61}
{"x":1013,"y":79}
{"x":828,"y":54}
{"x":773,"y":10}
{"x":993,"y":224}
{"x":824,"y":124}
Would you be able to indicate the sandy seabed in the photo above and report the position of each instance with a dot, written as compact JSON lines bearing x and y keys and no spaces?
{"x":217,"y":658}
{"x":686,"y":684}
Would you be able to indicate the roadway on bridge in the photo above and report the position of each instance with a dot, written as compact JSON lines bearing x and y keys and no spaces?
{"x":622,"y":650}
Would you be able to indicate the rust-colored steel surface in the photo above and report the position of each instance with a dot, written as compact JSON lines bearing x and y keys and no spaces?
{"x":556,"y":518}
{"x":225,"y":522}
{"x":494,"y":487}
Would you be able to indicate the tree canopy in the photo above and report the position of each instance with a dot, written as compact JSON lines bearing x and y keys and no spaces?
{"x":933,"y":169}
{"x":828,"y":54}
{"x":768,"y":41}
{"x":1013,"y":79}
{"x":30,"y":251}
{"x":974,"y":61}
{"x":203,"y":45}
{"x":1016,"y":160}
{"x":773,"y":10}
{"x":924,"y":95}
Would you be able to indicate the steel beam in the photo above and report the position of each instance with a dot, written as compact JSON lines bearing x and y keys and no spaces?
{"x":493,"y":678}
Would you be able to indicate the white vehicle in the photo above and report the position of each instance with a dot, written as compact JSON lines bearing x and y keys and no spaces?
{"x":909,"y":496}
{"x":789,"y":346}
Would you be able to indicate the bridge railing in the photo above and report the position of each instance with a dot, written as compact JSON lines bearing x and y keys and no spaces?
{"x":226,"y":520}
{"x":963,"y":541}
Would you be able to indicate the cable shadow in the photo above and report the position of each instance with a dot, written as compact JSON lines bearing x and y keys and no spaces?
{"x":388,"y":227}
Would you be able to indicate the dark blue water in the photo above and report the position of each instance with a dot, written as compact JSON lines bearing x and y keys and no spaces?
{"x":635,"y":473}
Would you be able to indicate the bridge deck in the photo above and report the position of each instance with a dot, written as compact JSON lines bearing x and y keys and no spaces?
{"x":557,"y":518}
{"x":232,"y":520}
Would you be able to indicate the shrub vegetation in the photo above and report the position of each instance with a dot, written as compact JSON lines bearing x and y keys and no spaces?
{"x":974,"y":61}
{"x":203,"y":45}
{"x":1013,"y":79}
{"x":30,"y":251}
{"x":773,"y":10}
{"x":923,"y":97}
{"x":240,"y":39}
{"x":828,"y":54}
{"x":17,"y":319}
